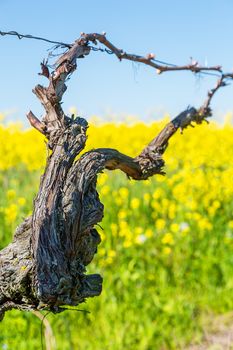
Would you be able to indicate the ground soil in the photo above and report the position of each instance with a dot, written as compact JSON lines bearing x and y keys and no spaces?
{"x":218,"y":335}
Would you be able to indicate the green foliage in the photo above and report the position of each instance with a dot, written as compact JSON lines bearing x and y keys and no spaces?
{"x":160,"y":280}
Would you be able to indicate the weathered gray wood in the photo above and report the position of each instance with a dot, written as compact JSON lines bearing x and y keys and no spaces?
{"x":44,"y":266}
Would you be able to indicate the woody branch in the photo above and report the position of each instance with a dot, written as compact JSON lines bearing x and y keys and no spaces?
{"x":54,"y":245}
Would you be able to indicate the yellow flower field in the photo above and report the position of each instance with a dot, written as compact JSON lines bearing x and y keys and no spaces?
{"x":167,"y":243}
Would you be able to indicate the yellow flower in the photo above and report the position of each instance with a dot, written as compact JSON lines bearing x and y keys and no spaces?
{"x":105,"y":190}
{"x":155,"y":205}
{"x":175,"y":227}
{"x":11,"y":213}
{"x":196,"y":216}
{"x":11,"y":194}
{"x":148,"y":233}
{"x":138,"y":230}
{"x":108,"y":260}
{"x":160,"y":224}
{"x":165,"y":203}
{"x":101,"y":251}
{"x":168,"y":239}
{"x":166,"y":250}
{"x":21,"y":201}
{"x":211,"y":211}
{"x":123,"y":224}
{"x":192,"y":205}
{"x":114,"y":228}
{"x":123,"y":192}
{"x":119,"y":201}
{"x":135,"y":202}
{"x":158,"y":193}
{"x":127,"y":243}
{"x":204,"y":224}
{"x":112,"y":253}
{"x":122,"y":214}
{"x":146,"y":197}
{"x":102,"y":178}
{"x":216,"y":204}
{"x":147,"y":182}
{"x":230,"y":224}
{"x":172,"y":211}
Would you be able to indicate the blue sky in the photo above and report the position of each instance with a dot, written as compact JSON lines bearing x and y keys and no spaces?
{"x":173,"y":30}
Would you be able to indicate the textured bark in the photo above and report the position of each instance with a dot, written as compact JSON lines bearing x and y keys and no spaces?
{"x":44,"y":266}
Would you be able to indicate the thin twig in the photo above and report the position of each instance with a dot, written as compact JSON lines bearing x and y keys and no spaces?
{"x":159,"y":65}
{"x":82,"y":47}
{"x":205,"y":108}
{"x":28,"y":36}
{"x":149,"y":59}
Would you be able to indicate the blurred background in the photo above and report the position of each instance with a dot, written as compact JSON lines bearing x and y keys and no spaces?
{"x":166,"y":254}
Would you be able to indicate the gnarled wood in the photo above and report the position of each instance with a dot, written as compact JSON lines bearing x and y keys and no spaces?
{"x":44,"y":266}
